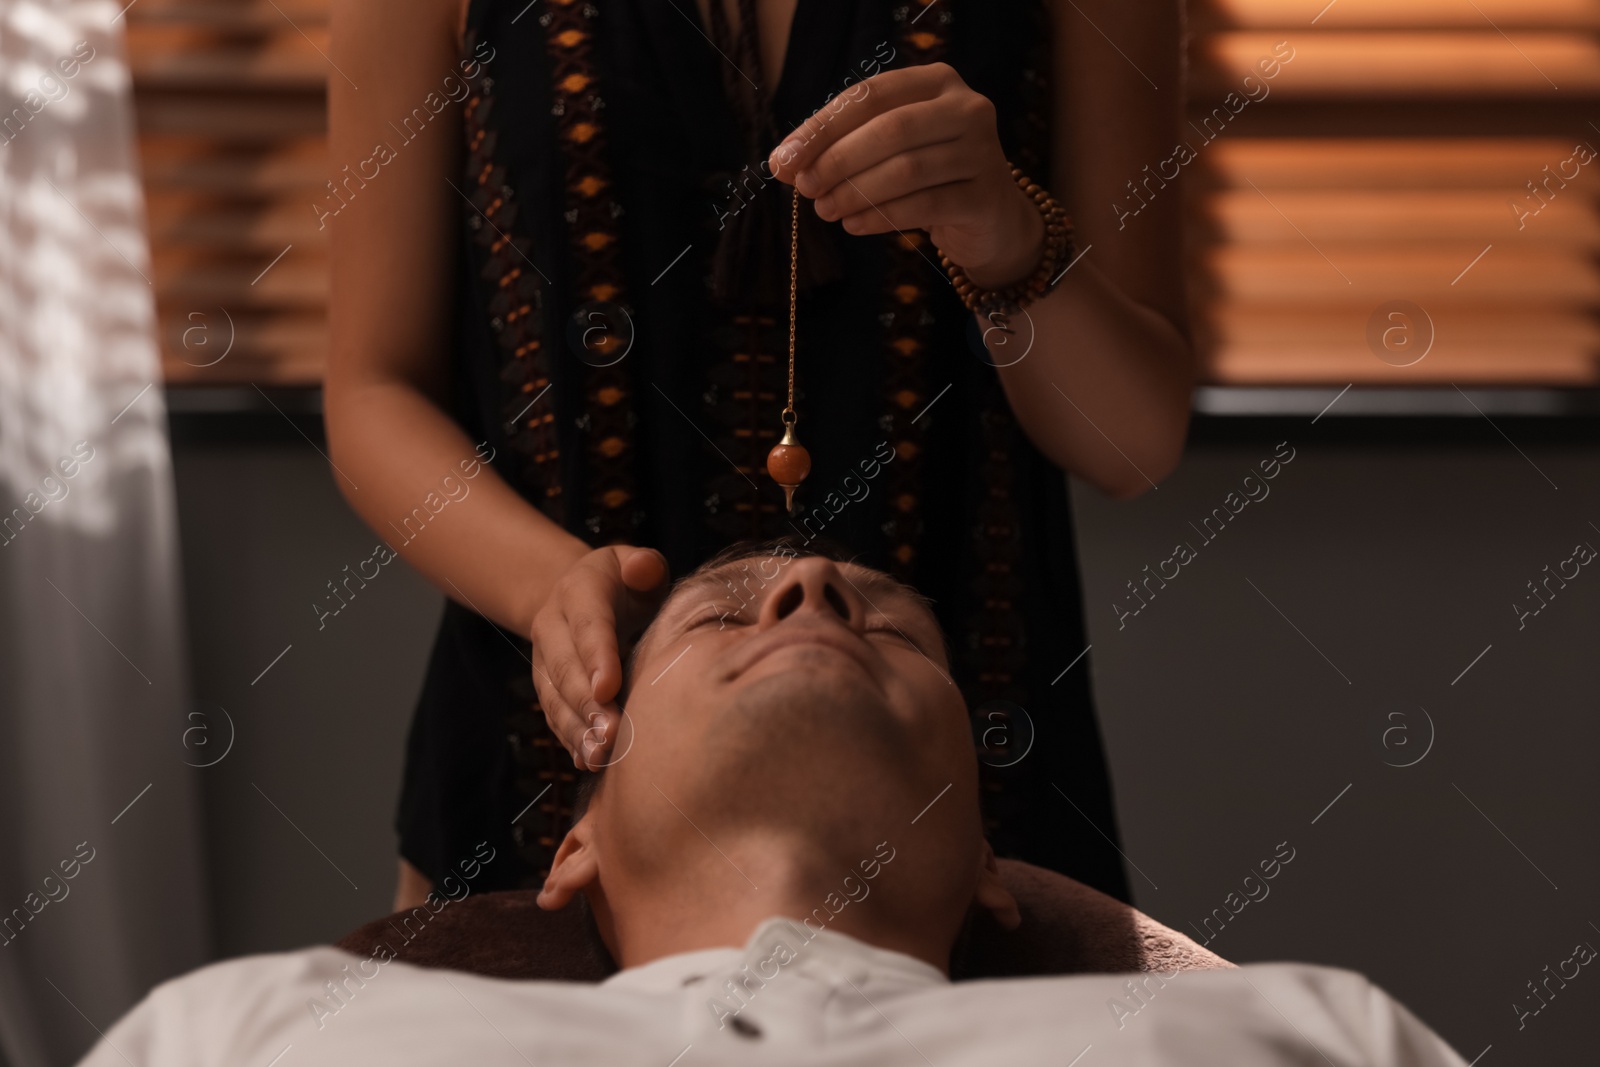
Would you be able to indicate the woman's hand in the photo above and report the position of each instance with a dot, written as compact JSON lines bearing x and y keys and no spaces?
{"x":577,"y":668}
{"x":915,"y":148}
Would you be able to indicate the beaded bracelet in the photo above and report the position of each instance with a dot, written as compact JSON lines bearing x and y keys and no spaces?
{"x":1058,"y":249}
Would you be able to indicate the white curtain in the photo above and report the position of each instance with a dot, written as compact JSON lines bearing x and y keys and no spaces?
{"x":93,"y":674}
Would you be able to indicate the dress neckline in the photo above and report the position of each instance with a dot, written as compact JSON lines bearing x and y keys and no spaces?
{"x":818,"y":33}
{"x":797,"y":22}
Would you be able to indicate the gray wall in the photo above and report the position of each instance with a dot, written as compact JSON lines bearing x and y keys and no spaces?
{"x":1452,"y":882}
{"x":321,"y":733}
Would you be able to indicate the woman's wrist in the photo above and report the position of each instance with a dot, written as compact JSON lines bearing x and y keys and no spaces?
{"x":536,"y":589}
{"x":1047,"y":257}
{"x":1019,"y":256}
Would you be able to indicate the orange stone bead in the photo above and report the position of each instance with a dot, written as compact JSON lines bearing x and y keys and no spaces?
{"x":788,"y":465}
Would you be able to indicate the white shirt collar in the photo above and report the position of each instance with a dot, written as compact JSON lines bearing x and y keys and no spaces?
{"x":784,"y":943}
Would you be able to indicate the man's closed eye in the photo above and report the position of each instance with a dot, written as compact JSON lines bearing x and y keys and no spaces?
{"x":720,"y":613}
{"x":886,"y":625}
{"x":725,"y":615}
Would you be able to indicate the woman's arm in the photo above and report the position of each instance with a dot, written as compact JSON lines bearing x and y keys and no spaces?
{"x":393,"y":252}
{"x":1105,"y":389}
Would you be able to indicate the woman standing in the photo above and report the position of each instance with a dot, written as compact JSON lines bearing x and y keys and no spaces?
{"x":570,"y":261}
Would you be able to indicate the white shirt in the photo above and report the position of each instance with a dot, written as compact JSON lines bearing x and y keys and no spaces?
{"x":830,"y":999}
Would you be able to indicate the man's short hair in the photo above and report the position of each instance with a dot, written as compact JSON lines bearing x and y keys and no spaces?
{"x":588,"y":782}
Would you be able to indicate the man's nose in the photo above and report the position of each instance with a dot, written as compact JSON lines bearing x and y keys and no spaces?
{"x":813,"y":584}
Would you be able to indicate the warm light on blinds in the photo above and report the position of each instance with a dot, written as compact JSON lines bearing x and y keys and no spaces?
{"x":1412,"y":150}
{"x":1420,"y":151}
{"x":230,"y":101}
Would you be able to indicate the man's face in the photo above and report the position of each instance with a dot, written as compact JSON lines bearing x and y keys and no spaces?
{"x":788,"y":694}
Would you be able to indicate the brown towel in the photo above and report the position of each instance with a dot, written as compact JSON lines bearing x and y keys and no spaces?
{"x":1067,"y":928}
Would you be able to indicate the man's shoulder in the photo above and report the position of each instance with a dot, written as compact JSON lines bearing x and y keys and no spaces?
{"x":1269,"y":981}
{"x":194,"y":1017}
{"x":1344,"y":992}
{"x":254,"y":984}
{"x":1340,"y":1012}
{"x":317,"y":962}
{"x":1287,"y":990}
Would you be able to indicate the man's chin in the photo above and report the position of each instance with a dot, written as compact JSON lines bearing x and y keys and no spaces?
{"x":808,"y":689}
{"x":816,"y":660}
{"x":799,"y":732}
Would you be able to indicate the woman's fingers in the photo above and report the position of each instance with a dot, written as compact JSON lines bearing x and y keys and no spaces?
{"x":942,"y":205}
{"x":852,"y":109}
{"x":904,"y":130}
{"x":644,"y":585}
{"x":644,"y":570}
{"x":599,"y":671}
{"x":578,"y":664}
{"x":899,"y":176}
{"x":563,"y":685}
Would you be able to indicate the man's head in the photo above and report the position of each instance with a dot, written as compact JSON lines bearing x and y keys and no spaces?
{"x":789,"y":715}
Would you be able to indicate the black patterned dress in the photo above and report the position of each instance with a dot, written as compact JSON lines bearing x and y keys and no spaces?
{"x":621,"y":342}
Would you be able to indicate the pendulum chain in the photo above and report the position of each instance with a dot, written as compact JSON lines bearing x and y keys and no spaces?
{"x":788,"y":463}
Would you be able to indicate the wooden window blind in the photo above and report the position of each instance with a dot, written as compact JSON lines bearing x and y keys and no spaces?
{"x":1411,"y":150}
{"x":1380,"y":164}
{"x":231,"y":111}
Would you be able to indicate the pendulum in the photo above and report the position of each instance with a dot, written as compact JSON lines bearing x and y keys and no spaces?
{"x":788,"y":463}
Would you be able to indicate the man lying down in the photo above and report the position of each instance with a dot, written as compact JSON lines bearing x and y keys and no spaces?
{"x":780,"y":746}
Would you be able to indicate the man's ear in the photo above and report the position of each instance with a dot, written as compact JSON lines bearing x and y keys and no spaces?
{"x":575,"y":867}
{"x":992,"y":892}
